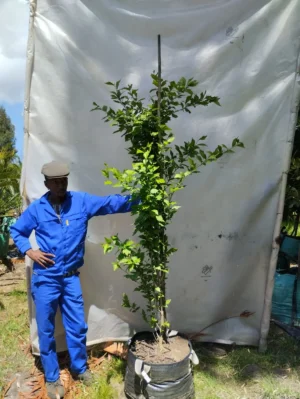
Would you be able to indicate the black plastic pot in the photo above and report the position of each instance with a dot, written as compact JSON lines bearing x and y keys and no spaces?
{"x":155,"y":381}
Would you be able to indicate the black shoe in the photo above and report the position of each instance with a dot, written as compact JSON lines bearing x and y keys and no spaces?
{"x":86,"y":378}
{"x":54,"y":389}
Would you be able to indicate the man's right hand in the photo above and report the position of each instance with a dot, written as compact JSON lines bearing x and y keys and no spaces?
{"x":42,"y":258}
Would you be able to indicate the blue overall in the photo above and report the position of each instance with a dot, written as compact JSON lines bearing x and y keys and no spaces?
{"x":64,"y":237}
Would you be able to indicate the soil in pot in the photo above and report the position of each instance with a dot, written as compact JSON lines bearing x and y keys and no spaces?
{"x":159,"y":372}
{"x":151,"y":352}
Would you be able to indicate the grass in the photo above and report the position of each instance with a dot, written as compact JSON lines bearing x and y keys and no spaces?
{"x":241,"y":373}
{"x":14,"y":334}
{"x":108,"y":383}
{"x":276,"y":377}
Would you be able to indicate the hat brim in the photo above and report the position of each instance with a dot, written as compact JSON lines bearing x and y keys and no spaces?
{"x":56,"y":177}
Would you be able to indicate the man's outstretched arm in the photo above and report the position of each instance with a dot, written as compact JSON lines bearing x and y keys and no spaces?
{"x":106,"y":205}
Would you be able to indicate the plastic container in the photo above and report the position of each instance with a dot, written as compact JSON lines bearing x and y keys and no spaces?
{"x":4,"y":244}
{"x":286,"y":299}
{"x":158,"y":381}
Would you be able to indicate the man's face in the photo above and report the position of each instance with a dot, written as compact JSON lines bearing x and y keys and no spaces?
{"x":57,"y":187}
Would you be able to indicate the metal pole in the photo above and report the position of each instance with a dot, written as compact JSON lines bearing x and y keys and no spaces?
{"x":159,"y":77}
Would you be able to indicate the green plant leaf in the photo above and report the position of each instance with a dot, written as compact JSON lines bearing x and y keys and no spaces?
{"x":115,"y":266}
{"x":107,"y":248}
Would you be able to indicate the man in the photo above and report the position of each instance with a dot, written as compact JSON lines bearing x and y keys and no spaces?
{"x":60,"y":220}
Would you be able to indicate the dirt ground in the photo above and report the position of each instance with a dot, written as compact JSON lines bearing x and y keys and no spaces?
{"x":12,"y":273}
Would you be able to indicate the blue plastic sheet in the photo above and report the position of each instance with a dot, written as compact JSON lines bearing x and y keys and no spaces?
{"x":282,"y":302}
{"x":290,"y":247}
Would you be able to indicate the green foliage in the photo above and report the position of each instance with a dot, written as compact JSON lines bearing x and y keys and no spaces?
{"x":7,"y":132}
{"x":159,"y":170}
{"x":10,"y":172}
{"x":291,"y":214}
{"x":14,"y":331}
{"x":10,"y":166}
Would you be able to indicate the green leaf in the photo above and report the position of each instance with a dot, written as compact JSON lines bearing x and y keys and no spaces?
{"x":192,"y":83}
{"x":153,"y":191}
{"x":126,"y":303}
{"x":157,"y":289}
{"x":159,"y":218}
{"x":134,"y":308}
{"x":116,"y":266}
{"x":203,"y":154}
{"x":107,"y":248}
{"x":136,"y":260}
{"x":160,"y":181}
{"x":174,"y":189}
{"x":129,"y":243}
{"x":107,"y":182}
{"x":109,"y":83}
{"x":145,"y":316}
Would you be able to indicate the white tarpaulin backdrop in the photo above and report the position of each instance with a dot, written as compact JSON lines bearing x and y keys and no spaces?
{"x":245,"y":52}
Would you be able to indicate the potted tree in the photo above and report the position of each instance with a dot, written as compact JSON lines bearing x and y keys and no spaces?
{"x":158,"y":360}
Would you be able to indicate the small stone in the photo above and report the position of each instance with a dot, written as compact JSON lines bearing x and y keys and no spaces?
{"x":214,"y":351}
{"x":251,"y":371}
{"x":281,"y":373}
{"x":119,"y":388}
{"x":19,"y":385}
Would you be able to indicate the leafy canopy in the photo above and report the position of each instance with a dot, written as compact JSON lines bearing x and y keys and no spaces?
{"x":159,"y":170}
{"x":10,"y":166}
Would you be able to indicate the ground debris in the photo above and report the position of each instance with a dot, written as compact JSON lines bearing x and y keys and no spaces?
{"x":31,"y":385}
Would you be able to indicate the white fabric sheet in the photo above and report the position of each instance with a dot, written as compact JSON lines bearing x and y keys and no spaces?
{"x":245,"y":52}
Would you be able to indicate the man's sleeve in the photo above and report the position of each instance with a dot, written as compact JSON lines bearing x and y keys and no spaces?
{"x":99,"y":206}
{"x":22,"y":229}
